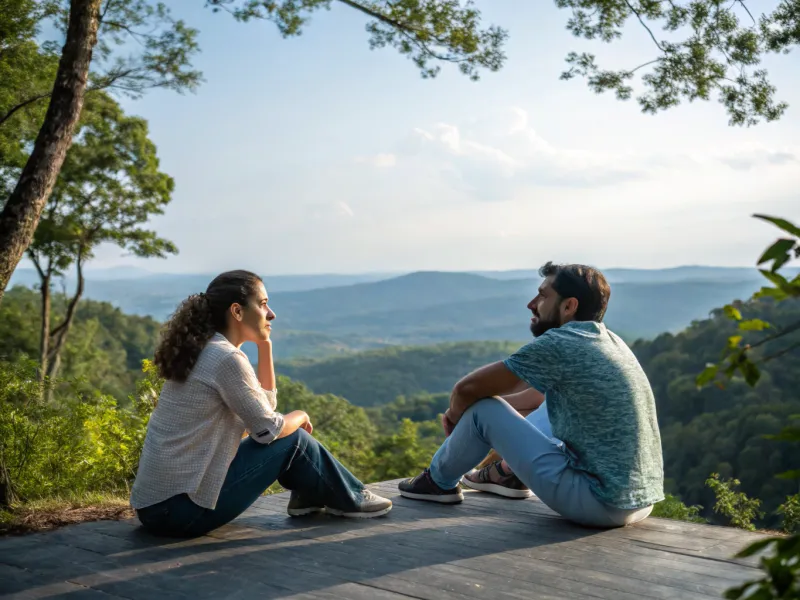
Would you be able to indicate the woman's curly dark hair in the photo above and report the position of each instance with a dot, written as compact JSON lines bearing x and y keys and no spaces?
{"x":197,"y":319}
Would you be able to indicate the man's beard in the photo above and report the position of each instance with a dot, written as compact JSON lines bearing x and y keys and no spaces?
{"x":542,"y":325}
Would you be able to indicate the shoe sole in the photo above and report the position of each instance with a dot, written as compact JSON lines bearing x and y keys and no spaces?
{"x":499,"y":490}
{"x":359,"y":515}
{"x":448,"y":499}
{"x":300,"y":512}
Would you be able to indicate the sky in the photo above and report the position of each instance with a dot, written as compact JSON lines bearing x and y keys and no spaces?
{"x":318,"y":155}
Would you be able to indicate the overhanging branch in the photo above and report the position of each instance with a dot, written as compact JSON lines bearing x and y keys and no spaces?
{"x":22,"y":105}
{"x":381,"y":17}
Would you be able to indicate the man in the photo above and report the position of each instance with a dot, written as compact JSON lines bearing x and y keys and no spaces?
{"x":592,"y":450}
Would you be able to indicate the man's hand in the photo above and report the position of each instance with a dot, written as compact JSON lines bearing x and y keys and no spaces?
{"x":447,"y":425}
{"x":308,"y":427}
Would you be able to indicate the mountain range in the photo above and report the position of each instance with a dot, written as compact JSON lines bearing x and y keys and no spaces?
{"x":320,"y":315}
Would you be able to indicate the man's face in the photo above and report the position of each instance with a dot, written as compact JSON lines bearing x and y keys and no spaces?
{"x":546,"y":309}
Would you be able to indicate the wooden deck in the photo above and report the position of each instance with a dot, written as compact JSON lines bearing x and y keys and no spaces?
{"x":486,"y":548}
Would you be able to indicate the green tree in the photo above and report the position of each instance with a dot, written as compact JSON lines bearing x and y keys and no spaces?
{"x":93,"y":29}
{"x":105,"y":348}
{"x":109,"y":187}
{"x":429,"y":31}
{"x":26,"y":77}
{"x":404,"y":453}
{"x":740,"y":357}
{"x":781,"y":559}
{"x":704,"y":48}
{"x":343,"y":428}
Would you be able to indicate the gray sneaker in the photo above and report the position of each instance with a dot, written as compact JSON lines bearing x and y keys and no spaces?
{"x":299,"y":506}
{"x":506,"y":484}
{"x":371,"y":505}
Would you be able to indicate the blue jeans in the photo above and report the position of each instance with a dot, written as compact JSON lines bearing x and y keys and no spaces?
{"x":536,"y":457}
{"x":298,"y":462}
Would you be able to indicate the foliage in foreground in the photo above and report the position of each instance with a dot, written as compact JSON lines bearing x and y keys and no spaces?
{"x":78,"y":444}
{"x":74,"y":445}
{"x":671,"y":507}
{"x":780,"y":557}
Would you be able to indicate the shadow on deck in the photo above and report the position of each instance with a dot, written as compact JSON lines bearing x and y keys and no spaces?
{"x":487,"y":548}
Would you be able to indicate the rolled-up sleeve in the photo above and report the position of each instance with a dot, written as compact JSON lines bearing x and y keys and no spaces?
{"x":242,"y":392}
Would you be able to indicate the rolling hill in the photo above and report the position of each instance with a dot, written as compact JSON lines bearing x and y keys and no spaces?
{"x":378,"y":376}
{"x":320,"y":315}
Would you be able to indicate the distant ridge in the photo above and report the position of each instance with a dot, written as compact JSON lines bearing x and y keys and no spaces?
{"x":661,"y":275}
{"x":353,"y":313}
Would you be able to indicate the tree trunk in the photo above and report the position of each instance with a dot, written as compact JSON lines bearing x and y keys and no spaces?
{"x":7,"y":494}
{"x":45,"y":278}
{"x":59,"y":334}
{"x":44,"y":341}
{"x":21,"y":213}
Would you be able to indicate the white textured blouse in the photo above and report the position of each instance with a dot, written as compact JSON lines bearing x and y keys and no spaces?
{"x":196,"y":427}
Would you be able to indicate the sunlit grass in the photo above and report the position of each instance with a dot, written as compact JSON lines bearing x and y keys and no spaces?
{"x":50,"y":513}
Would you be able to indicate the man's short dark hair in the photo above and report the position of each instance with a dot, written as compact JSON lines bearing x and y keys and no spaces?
{"x":586,"y":284}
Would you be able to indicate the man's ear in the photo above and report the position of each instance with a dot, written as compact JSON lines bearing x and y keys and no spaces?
{"x":569,"y":308}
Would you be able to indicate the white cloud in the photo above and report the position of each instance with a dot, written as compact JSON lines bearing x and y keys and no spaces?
{"x":745,"y":159}
{"x":498,"y":157}
{"x":380,"y":161}
{"x":344,"y":209}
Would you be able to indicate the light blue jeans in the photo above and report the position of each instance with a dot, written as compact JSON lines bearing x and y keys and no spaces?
{"x":535,"y":456}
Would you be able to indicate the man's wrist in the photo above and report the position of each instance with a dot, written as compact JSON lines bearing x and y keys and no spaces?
{"x":449,"y":414}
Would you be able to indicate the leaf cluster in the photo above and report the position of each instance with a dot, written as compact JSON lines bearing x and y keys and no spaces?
{"x":427,"y":31}
{"x":702,"y":49}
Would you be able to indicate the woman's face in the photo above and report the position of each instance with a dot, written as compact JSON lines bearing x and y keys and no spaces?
{"x":256,"y":316}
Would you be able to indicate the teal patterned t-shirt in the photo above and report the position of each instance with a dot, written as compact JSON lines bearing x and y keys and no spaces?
{"x":601,"y":405}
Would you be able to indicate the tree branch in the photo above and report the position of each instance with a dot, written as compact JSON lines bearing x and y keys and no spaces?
{"x":790,"y":329}
{"x":420,"y":44}
{"x":381,"y":17}
{"x":638,"y":16}
{"x":22,"y":105}
{"x":105,"y":10}
{"x":62,"y":330}
{"x":780,"y":353}
{"x":112,"y":79}
{"x":648,"y":63}
{"x":747,"y":10}
{"x":134,"y":34}
{"x":35,"y":261}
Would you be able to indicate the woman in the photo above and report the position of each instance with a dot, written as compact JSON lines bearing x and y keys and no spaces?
{"x":196,"y":473}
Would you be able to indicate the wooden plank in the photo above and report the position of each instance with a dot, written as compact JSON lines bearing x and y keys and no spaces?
{"x":63,"y":588}
{"x":420,"y":576}
{"x":418,"y":543}
{"x":672,"y":534}
{"x":586,"y":569}
{"x":594,"y":540}
{"x":14,"y":579}
{"x":483,"y":549}
{"x":93,"y":541}
{"x":534,"y":506}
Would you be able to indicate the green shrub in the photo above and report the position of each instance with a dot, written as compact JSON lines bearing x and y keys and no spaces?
{"x":740,"y":509}
{"x":671,"y":507}
{"x":73,"y":444}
